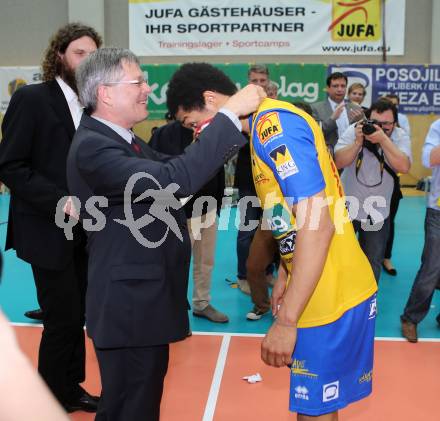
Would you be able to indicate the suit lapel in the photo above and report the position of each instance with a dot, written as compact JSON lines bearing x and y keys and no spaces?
{"x":93,"y":124}
{"x":329,"y":107}
{"x":60,"y":106}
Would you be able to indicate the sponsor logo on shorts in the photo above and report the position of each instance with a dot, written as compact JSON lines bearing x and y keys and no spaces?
{"x":301,"y":392}
{"x":269,"y":126}
{"x":299,"y":369}
{"x":286,"y":245}
{"x":284,"y":162}
{"x":367,"y":377}
{"x":330,"y":391}
{"x":373,"y":308}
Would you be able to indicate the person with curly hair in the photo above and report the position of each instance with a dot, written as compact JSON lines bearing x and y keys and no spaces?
{"x":38,"y":127}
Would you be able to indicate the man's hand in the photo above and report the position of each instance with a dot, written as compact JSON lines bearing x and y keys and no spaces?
{"x":279,"y":289}
{"x":338,"y":111}
{"x":359,"y":140}
{"x":246,"y":101}
{"x":355,"y":114}
{"x":278,"y":345}
{"x":378,"y":137}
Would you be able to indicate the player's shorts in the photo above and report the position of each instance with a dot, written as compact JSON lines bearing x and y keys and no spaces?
{"x":333,"y":364}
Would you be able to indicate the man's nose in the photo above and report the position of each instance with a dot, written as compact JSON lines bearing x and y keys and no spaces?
{"x":147,"y":88}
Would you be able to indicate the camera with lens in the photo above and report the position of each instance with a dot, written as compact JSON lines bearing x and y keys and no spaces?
{"x":368,"y":126}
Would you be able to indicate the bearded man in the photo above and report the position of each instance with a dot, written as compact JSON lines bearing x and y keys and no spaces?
{"x":38,"y":127}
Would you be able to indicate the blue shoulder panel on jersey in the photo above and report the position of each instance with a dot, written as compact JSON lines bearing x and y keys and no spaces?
{"x":285,"y":142}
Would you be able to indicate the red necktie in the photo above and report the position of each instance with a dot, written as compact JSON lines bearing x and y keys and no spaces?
{"x":136,"y":147}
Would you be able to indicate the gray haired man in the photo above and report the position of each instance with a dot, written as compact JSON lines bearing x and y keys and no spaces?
{"x":137,"y":295}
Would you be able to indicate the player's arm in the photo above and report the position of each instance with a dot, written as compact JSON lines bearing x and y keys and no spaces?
{"x":313,"y":239}
{"x":293,"y":158}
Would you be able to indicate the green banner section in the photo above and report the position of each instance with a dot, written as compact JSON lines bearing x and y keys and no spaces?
{"x":296,"y":82}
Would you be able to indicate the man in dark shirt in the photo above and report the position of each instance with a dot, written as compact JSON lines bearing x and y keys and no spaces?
{"x":172,"y":139}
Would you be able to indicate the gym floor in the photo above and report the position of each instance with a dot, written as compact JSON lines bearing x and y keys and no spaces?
{"x":204,"y":380}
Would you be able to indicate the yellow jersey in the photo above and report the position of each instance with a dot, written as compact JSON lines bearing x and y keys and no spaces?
{"x":291,"y":162}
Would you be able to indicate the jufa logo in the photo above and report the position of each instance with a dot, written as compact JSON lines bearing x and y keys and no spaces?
{"x":356,"y":20}
{"x":269,"y":126}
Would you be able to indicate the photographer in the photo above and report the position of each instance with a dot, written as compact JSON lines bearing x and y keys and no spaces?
{"x":372,"y":152}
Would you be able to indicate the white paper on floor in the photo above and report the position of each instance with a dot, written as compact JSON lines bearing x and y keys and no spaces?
{"x":253,"y":378}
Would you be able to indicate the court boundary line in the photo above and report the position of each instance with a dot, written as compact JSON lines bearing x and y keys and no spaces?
{"x":251,"y":335}
{"x":214,"y":391}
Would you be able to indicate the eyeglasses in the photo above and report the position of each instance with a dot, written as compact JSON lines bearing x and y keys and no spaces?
{"x":385,"y":123}
{"x":138,"y":82}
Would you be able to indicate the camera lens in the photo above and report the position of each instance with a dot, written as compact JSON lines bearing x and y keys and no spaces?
{"x":368,"y":127}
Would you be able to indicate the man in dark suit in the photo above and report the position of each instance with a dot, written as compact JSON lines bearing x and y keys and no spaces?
{"x":138,"y":268}
{"x":334,"y":114}
{"x":37,"y":131}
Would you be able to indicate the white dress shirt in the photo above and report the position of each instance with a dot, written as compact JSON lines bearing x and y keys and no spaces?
{"x":342,"y":122}
{"x":75,"y":107}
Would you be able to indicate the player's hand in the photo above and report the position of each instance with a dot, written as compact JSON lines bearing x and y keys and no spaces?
{"x":246,"y":101}
{"x":278,"y":345}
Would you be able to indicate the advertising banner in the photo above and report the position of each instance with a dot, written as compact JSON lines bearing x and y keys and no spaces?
{"x":12,"y":78}
{"x":296,"y":82}
{"x":417,"y":86}
{"x":285,"y":27}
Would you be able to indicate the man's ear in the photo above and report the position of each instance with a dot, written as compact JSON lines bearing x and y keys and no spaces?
{"x":210,"y":98}
{"x":104,"y":95}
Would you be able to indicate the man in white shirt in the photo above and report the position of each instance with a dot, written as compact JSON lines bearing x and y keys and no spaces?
{"x":370,"y":162}
{"x":428,"y":276}
{"x":38,"y":128}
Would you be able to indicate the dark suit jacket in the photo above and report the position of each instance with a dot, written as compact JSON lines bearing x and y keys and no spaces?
{"x":137,"y":295}
{"x":172,"y":139}
{"x":322,"y":112}
{"x":37,"y":132}
{"x":244,"y":181}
